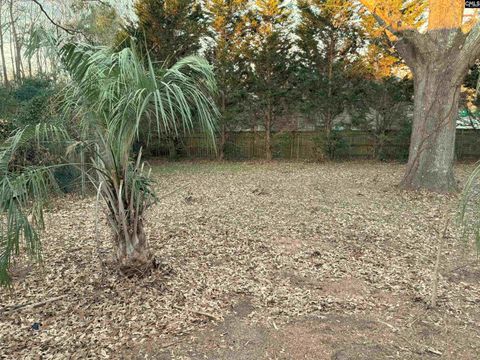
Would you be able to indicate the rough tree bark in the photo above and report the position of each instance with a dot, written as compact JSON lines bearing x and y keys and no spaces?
{"x":439,"y":60}
{"x":432,"y":143}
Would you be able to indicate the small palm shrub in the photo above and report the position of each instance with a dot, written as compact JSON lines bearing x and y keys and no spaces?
{"x":111,"y":95}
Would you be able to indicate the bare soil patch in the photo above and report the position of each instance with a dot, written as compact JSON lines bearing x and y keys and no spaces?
{"x":295,"y":261}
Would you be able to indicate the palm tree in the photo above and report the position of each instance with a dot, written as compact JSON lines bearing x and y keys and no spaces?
{"x":112,"y":94}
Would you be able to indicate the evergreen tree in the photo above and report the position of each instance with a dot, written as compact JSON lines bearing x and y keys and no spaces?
{"x":170,"y":29}
{"x":328,"y":41}
{"x":380,"y":106}
{"x":267,"y":47}
{"x":227,"y":25}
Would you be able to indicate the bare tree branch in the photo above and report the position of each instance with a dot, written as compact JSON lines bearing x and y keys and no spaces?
{"x":70,"y":31}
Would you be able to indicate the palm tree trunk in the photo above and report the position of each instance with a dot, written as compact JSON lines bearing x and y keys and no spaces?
{"x":132,"y":252}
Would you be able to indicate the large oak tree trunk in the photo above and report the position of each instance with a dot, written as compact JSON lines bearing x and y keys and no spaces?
{"x":432,"y":147}
{"x":439,"y":59}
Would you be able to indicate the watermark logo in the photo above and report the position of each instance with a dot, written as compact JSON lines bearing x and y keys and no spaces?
{"x":472,"y":4}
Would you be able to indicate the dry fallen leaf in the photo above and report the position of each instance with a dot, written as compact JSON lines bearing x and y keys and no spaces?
{"x":321,"y":239}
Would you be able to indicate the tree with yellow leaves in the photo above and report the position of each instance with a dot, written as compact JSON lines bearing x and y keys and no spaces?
{"x":381,"y":58}
{"x":439,"y":56}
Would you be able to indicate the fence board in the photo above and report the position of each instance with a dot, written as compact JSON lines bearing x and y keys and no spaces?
{"x":306,"y":145}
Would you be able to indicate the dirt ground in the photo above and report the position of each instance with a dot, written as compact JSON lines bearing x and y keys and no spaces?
{"x":258,"y":261}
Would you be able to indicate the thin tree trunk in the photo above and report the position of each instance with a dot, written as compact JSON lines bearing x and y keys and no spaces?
{"x":432,"y":146}
{"x":45,"y":63}
{"x":328,"y":122}
{"x":29,"y":58}
{"x":2,"y":50}
{"x":254,"y":140}
{"x":268,"y":135}
{"x":16,"y":45}
{"x":377,"y":135}
{"x":30,"y":67}
{"x":223,"y":131}
{"x":12,"y":58}
{"x":223,"y":141}
{"x":328,"y":117}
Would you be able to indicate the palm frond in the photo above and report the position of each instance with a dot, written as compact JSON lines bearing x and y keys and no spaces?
{"x":23,"y":193}
{"x":42,"y":134}
{"x":22,"y":197}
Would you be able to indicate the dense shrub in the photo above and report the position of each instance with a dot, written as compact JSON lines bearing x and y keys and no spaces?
{"x":68,"y":178}
{"x":397,"y":143}
{"x":282,"y":144}
{"x":333,"y":145}
{"x":31,"y":102}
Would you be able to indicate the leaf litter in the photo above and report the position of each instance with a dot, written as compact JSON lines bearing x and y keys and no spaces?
{"x":298,"y":240}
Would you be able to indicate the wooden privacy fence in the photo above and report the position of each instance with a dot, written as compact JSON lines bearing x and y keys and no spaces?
{"x":308,"y":145}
